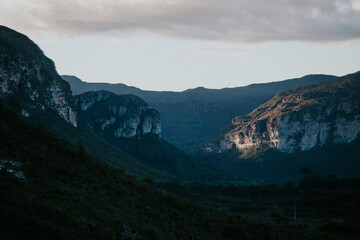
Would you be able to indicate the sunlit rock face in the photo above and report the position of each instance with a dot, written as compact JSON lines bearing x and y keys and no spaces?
{"x":124,"y":116}
{"x":29,"y":79}
{"x":298,"y":120}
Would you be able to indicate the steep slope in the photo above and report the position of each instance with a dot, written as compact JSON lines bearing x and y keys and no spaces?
{"x":192,"y":116}
{"x":30,"y":85}
{"x":121,"y":116}
{"x":126,"y":122}
{"x":28,"y":79}
{"x":293,"y":122}
{"x":51,"y":189}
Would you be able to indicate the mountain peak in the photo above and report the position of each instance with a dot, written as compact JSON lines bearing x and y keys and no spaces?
{"x":29,"y":76}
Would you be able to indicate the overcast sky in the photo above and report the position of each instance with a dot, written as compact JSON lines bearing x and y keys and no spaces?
{"x":181,"y":44}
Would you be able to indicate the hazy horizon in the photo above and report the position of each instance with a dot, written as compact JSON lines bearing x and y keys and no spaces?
{"x":175,"y":45}
{"x":197,"y":86}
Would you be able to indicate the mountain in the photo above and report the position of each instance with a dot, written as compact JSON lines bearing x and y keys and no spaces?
{"x":193,"y":116}
{"x":127,"y":123}
{"x":51,"y":189}
{"x":296,"y":128}
{"x":31,"y":86}
{"x":111,"y":127}
{"x":28,"y":79}
{"x":118,"y":115}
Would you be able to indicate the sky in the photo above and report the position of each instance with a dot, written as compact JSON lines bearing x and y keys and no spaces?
{"x":180,"y":44}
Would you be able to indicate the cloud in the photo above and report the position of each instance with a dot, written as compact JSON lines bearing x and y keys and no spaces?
{"x":235,"y":51}
{"x":218,"y":20}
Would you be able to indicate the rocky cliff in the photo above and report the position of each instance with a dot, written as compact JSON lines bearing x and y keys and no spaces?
{"x":30,"y":78}
{"x":193,"y":116}
{"x":126,"y":122}
{"x":125,"y":116}
{"x":125,"y":132}
{"x":298,"y":120}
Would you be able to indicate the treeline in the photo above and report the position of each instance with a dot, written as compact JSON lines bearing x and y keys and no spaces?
{"x":315,"y":197}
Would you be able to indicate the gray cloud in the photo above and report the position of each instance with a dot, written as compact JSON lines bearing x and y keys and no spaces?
{"x":220,"y":20}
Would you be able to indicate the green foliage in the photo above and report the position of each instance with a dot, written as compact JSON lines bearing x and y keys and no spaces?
{"x":306,"y":171}
{"x":98,"y":147}
{"x":272,"y":166}
{"x":68,"y":194}
{"x":329,"y":204}
{"x":149,"y":149}
{"x":23,"y":60}
{"x":157,"y":153}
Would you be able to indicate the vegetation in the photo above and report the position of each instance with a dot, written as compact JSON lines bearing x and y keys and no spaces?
{"x":326,"y":105}
{"x":327,"y":204}
{"x":27,"y":73}
{"x":163,"y":156}
{"x":147,"y":148}
{"x":71,"y":184}
{"x":272,"y":166}
{"x":68,"y":194}
{"x":98,"y":147}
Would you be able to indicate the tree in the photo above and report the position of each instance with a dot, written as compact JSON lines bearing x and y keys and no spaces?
{"x":307,"y":172}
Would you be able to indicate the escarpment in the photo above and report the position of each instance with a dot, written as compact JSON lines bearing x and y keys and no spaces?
{"x":125,"y":116}
{"x":298,"y":120}
{"x":30,"y":78}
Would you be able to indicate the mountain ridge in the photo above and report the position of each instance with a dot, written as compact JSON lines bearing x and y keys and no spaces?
{"x":193,"y":116}
{"x":31,"y":86}
{"x":34,"y":89}
{"x":335,"y":99}
{"x":59,"y":191}
{"x":302,"y":124}
{"x":126,"y":122}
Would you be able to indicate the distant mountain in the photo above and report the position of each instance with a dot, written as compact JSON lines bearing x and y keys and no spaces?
{"x":30,"y":86}
{"x":126,"y":122}
{"x":117,"y":115}
{"x":317,"y":126}
{"x":193,"y":116}
{"x":108,"y":126}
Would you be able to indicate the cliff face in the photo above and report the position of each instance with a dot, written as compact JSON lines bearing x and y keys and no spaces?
{"x":119,"y":116}
{"x":193,"y":116}
{"x":298,"y":120}
{"x":30,"y":78}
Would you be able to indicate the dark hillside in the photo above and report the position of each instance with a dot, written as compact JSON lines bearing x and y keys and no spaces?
{"x":50,"y":189}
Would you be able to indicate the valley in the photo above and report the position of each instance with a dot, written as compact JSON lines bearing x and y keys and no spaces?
{"x":195,"y":115}
{"x":85,"y":160}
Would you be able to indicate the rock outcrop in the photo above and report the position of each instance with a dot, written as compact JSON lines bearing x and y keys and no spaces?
{"x":125,"y":116}
{"x":298,"y":120}
{"x":191,"y":117}
{"x":28,"y":76}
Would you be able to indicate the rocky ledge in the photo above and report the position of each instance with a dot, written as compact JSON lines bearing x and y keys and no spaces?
{"x":117,"y":115}
{"x":298,"y":120}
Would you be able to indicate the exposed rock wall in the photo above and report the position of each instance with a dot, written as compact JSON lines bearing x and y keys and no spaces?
{"x":298,"y":120}
{"x":191,"y":117}
{"x":37,"y":89}
{"x":30,"y":78}
{"x":120,"y":116}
